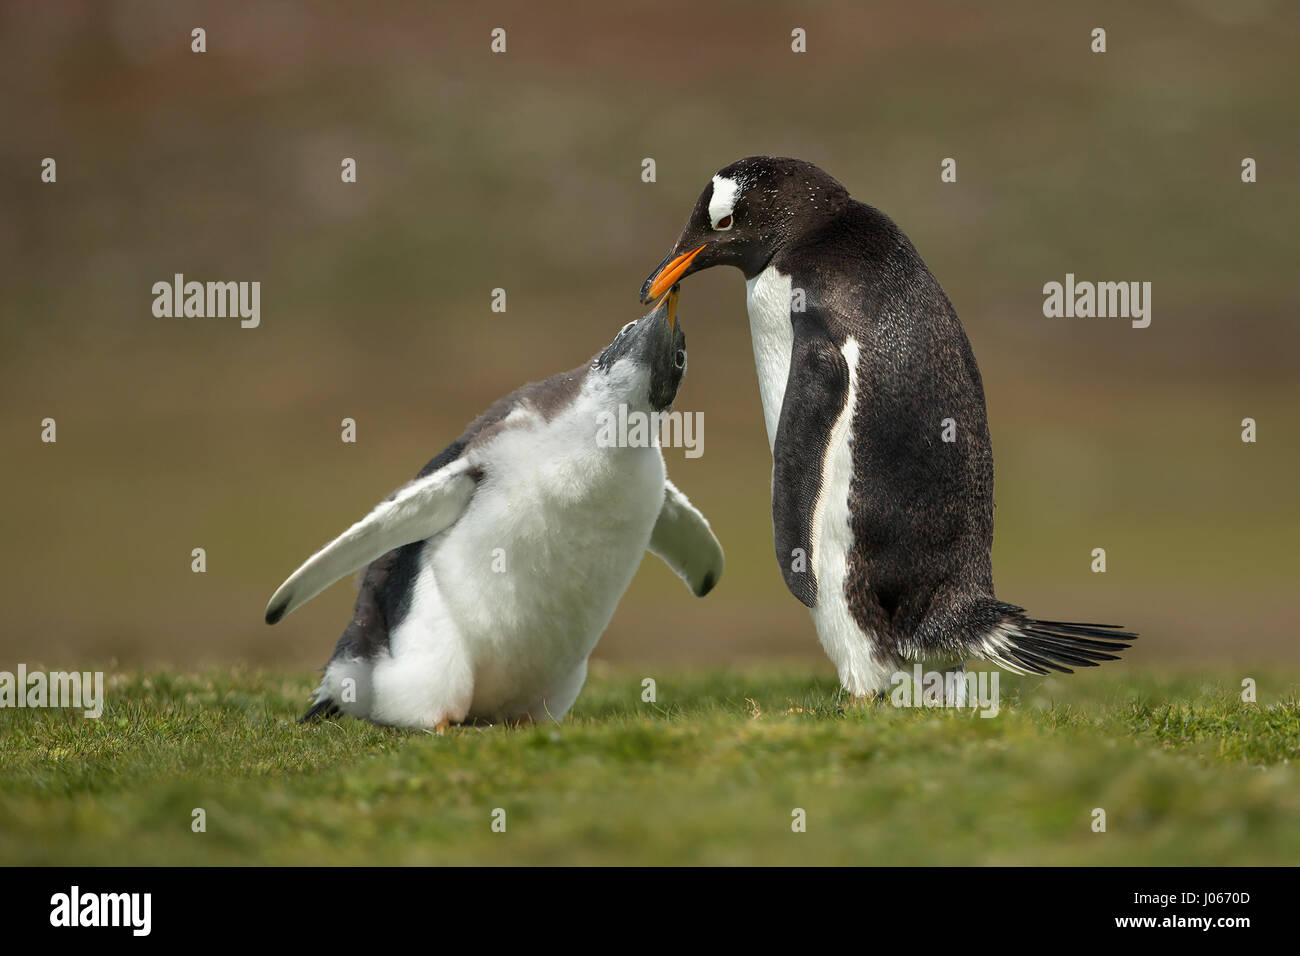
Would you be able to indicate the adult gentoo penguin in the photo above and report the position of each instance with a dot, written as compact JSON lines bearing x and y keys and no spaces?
{"x":882,"y":528}
{"x":493,"y":574}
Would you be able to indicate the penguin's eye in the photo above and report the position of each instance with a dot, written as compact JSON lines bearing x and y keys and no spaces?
{"x":623,"y":330}
{"x":723,"y":223}
{"x":680,"y":358}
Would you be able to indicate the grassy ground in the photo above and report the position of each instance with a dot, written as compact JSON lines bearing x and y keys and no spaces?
{"x":709,"y":774}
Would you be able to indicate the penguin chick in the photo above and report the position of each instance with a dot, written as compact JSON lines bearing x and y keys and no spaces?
{"x":491,"y":576}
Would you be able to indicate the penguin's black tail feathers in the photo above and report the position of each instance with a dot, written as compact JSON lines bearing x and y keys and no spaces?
{"x":1025,"y":645}
{"x":324,"y":707}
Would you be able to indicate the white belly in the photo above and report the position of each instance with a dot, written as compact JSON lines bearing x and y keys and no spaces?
{"x":570,"y":545}
{"x":767,"y":299}
{"x":512,"y":599}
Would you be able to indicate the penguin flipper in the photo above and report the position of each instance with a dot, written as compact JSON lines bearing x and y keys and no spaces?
{"x":683,"y":540}
{"x":414,"y":512}
{"x":815,"y":394}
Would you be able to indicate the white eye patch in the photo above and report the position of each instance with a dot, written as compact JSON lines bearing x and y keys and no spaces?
{"x":723,"y":201}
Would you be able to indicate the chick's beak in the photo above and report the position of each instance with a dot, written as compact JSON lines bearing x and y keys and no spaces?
{"x":664,"y":315}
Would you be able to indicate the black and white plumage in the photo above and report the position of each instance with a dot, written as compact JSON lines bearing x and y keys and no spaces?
{"x":492,"y":575}
{"x":881,"y":528}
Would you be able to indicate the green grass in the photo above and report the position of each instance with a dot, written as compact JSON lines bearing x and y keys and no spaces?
{"x":710,"y":774}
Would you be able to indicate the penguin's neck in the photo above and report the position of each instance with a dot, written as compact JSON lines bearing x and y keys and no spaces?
{"x":767,"y":298}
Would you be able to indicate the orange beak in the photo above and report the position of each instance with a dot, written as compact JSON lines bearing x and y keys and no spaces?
{"x":672,"y":308}
{"x":670,"y":273}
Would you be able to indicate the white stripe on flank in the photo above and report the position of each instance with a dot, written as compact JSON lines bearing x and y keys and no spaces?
{"x":830,"y":540}
{"x":836,"y":476}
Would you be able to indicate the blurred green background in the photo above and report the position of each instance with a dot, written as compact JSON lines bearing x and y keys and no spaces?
{"x":522,"y":171}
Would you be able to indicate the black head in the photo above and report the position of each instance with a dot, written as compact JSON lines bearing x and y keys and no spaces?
{"x":646,"y":362}
{"x":746,"y":214}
